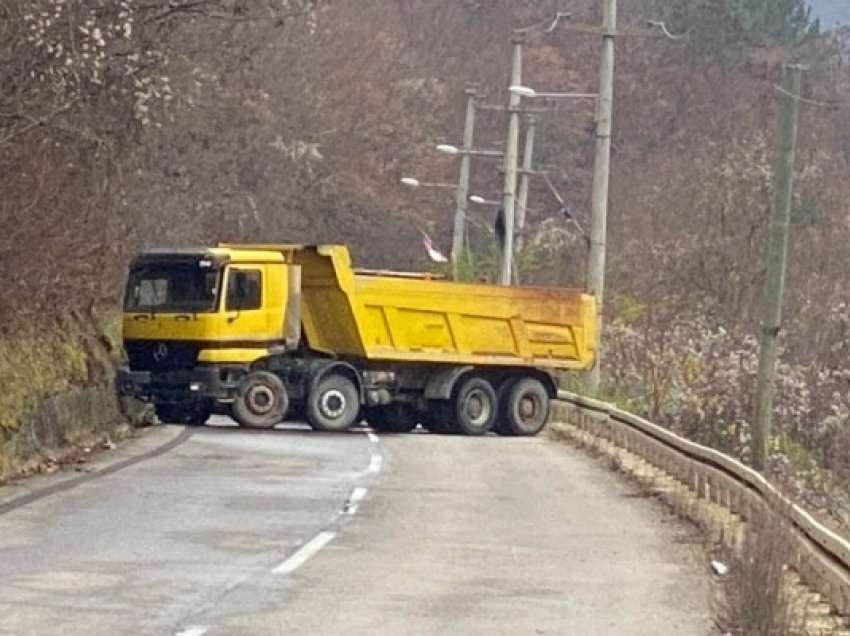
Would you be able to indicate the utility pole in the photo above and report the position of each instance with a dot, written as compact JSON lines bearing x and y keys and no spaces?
{"x":601,"y":179}
{"x":525,"y":178}
{"x":459,"y":233}
{"x":511,"y":152}
{"x":777,"y":258}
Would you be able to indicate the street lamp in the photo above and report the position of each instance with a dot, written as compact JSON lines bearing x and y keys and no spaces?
{"x":416,"y":183}
{"x":530,"y":93}
{"x":454,"y":150}
{"x":479,"y":200}
{"x":482,"y":201}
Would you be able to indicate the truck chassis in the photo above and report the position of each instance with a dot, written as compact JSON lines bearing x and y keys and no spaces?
{"x":332,"y":395}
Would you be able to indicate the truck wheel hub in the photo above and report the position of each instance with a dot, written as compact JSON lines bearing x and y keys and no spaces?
{"x":527,"y":409}
{"x":477,"y":407}
{"x":260,"y":399}
{"x":333,"y":403}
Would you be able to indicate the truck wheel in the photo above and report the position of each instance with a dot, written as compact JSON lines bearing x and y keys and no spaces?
{"x":186,"y":414}
{"x":393,"y":418}
{"x":475,"y":407}
{"x":439,"y":418}
{"x":502,"y":426}
{"x":526,"y":407}
{"x":261,"y":401}
{"x":333,"y":404}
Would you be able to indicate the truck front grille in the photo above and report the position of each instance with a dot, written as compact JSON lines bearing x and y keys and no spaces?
{"x":161,"y":355}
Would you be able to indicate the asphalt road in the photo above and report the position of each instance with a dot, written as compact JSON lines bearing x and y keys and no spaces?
{"x":294,"y":532}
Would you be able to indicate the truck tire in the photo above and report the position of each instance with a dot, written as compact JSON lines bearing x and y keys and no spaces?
{"x":439,"y":418}
{"x":186,"y":414}
{"x":393,"y":418}
{"x":261,"y":402}
{"x":525,"y":407}
{"x":475,"y":407}
{"x":333,"y":404}
{"x":502,"y":427}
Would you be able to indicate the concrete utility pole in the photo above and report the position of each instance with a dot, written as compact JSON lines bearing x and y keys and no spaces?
{"x":601,"y":178}
{"x":511,"y":152}
{"x":524,"y":179}
{"x":459,"y":233}
{"x":777,"y":258}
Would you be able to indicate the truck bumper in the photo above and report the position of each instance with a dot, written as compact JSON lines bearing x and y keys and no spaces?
{"x":213,"y":382}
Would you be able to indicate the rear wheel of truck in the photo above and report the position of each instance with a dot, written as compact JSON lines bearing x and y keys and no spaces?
{"x":502,"y":426}
{"x":439,"y":418}
{"x":261,"y":402}
{"x":525,"y":407}
{"x":333,"y":404}
{"x":475,"y":407}
{"x":392,"y":418}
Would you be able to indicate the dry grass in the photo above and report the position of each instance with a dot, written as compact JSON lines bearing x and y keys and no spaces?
{"x":758,"y":600}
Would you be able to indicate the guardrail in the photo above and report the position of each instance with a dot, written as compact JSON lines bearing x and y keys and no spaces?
{"x":821,"y":558}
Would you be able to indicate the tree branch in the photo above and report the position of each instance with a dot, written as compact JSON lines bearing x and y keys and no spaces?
{"x":36,"y":122}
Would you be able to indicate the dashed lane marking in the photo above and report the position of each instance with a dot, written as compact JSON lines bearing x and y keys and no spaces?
{"x":354,"y":500}
{"x":193,"y":630}
{"x":375,"y":463}
{"x":305,"y":553}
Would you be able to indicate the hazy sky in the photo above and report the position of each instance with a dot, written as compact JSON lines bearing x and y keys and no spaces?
{"x":832,"y":12}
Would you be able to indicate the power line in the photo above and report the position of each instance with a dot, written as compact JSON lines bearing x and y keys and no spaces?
{"x":812,"y":102}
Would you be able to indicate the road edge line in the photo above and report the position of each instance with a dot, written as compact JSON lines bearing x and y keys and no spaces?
{"x":47,"y":491}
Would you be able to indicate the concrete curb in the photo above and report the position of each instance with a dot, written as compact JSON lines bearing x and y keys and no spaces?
{"x":151,"y":443}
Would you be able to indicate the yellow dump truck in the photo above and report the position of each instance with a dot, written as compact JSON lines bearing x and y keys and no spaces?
{"x":267,"y":332}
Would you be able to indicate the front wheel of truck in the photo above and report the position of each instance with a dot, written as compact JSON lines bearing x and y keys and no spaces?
{"x":333,"y":404}
{"x":261,"y":401}
{"x":188,"y":415}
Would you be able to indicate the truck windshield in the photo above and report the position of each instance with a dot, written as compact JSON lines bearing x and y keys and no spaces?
{"x":172,"y":287}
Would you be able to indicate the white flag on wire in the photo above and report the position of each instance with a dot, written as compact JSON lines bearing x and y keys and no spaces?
{"x":436,"y":255}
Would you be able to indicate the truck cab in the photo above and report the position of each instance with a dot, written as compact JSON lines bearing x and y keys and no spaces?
{"x":195,"y":321}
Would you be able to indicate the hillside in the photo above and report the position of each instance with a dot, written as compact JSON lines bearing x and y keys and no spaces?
{"x":174,"y":123}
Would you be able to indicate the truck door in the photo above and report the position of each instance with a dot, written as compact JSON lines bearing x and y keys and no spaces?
{"x":245,"y":305}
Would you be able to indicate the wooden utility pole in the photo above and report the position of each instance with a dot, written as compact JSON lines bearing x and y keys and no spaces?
{"x":459,"y":232}
{"x":511,"y":155}
{"x":777,"y":258}
{"x":601,"y":178}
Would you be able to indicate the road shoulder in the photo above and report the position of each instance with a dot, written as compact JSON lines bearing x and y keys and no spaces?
{"x":142,"y":444}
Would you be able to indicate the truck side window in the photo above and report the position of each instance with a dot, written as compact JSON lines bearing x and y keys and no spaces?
{"x":243,"y":290}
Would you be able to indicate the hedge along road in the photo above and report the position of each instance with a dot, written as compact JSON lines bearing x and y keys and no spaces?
{"x":293,"y":532}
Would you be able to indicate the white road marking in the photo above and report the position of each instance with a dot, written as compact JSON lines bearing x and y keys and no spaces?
{"x":375,"y":463}
{"x":193,"y":630}
{"x":304,"y":553}
{"x":372,"y":437}
{"x":356,"y":496}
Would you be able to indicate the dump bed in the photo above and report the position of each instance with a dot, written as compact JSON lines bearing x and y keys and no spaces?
{"x":410,"y":318}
